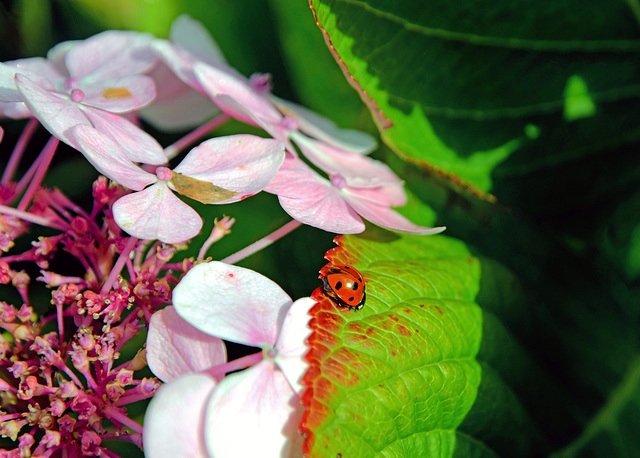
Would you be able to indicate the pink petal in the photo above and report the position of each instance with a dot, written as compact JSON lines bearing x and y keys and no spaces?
{"x":185,"y":111}
{"x":38,"y":70}
{"x":194,"y":37}
{"x":291,"y":343}
{"x":176,"y":348}
{"x":174,"y":420}
{"x":253,"y":413}
{"x":109,"y":159}
{"x":138,"y":145}
{"x":321,"y":128}
{"x":120,"y":95}
{"x":241,"y":163}
{"x":358,"y":171}
{"x":388,"y":218}
{"x":232,"y":303}
{"x":156,"y":213}
{"x":57,"y":54}
{"x":219,"y":82}
{"x":55,"y":113}
{"x":111,"y":54}
{"x":312,"y":200}
{"x":179,"y":61}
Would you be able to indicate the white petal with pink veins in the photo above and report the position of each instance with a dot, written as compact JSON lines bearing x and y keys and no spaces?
{"x":174,"y":420}
{"x":194,"y":37}
{"x":389,"y":218}
{"x":109,"y":159}
{"x":292,"y":345}
{"x":176,"y":348}
{"x":138,"y":145}
{"x":321,"y":128}
{"x":121,"y":95}
{"x":232,"y":303}
{"x":156,"y":213}
{"x":253,"y":413}
{"x":110,"y":54}
{"x":57,"y":114}
{"x":359,"y":171}
{"x":218,"y":82}
{"x":245,"y":164}
{"x":312,"y":200}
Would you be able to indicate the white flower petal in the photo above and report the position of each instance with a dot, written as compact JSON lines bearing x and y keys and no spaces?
{"x":156,"y":213}
{"x":109,"y":159}
{"x":232,"y":303}
{"x":292,"y":342}
{"x":245,"y":164}
{"x":176,"y":348}
{"x":321,"y":128}
{"x":253,"y":413}
{"x":174,"y":421}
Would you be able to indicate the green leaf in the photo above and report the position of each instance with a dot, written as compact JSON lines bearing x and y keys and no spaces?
{"x":612,"y":431}
{"x":412,"y":373}
{"x":495,"y":93}
{"x":315,"y":75}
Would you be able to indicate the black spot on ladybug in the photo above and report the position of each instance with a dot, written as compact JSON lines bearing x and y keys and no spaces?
{"x":351,"y":299}
{"x":338,"y":285}
{"x":354,"y":286}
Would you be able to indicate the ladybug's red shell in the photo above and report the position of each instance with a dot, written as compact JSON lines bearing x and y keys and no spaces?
{"x":345,"y":286}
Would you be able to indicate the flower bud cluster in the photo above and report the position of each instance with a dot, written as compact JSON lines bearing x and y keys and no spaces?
{"x":66,"y":382}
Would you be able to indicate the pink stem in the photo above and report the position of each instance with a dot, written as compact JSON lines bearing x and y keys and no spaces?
{"x":262,"y":243}
{"x":19,"y":149}
{"x":115,"y":414}
{"x":118,"y":265}
{"x":172,"y":150}
{"x":240,"y":363}
{"x":47,"y":154}
{"x":60,"y":315}
{"x":23,"y":215}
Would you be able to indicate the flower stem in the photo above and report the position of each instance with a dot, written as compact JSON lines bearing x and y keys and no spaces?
{"x":19,"y":149}
{"x":172,"y":150}
{"x":29,"y":217}
{"x":262,"y":243}
{"x":47,"y":154}
{"x":241,"y":363}
{"x":117,"y":268}
{"x":115,"y":414}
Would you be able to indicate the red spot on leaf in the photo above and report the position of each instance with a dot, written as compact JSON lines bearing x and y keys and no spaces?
{"x":407,"y":311}
{"x":394,"y":318}
{"x":404,"y":331}
{"x":393,"y":353}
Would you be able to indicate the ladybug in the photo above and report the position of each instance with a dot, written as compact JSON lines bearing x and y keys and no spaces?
{"x":345,"y":286}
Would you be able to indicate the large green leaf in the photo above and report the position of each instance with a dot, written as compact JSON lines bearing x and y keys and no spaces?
{"x":497,"y":94}
{"x":422,"y":369}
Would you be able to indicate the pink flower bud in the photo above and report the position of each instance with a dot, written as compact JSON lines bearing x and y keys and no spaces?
{"x":68,"y":390}
{"x":90,"y":444}
{"x":50,"y":439}
{"x":7,"y":313}
{"x":25,"y":313}
{"x":57,"y":407}
{"x":124,"y":377}
{"x":148,"y":386}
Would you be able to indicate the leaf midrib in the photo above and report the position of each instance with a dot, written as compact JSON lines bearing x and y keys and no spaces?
{"x":500,"y":42}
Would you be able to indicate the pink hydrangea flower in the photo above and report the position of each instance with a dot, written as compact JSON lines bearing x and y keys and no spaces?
{"x":194,"y":413}
{"x":87,"y":83}
{"x":220,"y":170}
